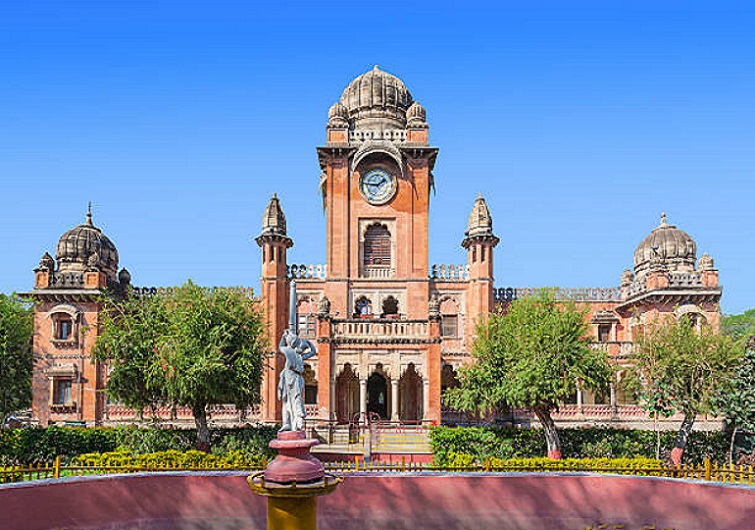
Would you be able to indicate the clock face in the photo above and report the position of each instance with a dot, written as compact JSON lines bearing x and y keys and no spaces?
{"x":378,"y":186}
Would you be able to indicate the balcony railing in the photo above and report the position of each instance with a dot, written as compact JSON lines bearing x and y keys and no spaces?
{"x":307,"y":272}
{"x":378,"y":272}
{"x":586,"y":294}
{"x":449,"y":272}
{"x":615,"y":349}
{"x":403,"y":329}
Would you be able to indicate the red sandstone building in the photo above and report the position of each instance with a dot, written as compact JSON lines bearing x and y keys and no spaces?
{"x":391,"y":329}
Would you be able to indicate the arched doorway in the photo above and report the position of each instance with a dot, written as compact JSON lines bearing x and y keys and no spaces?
{"x":347,"y":395}
{"x":410,"y":395}
{"x":377,"y":395}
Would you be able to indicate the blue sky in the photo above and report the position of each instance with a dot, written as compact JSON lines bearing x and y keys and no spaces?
{"x":580,"y":122}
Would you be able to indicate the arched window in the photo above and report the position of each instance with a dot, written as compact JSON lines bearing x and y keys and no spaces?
{"x":377,"y":246}
{"x":363,"y":307}
{"x":390,"y":307}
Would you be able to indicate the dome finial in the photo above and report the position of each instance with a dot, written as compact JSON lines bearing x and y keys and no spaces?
{"x":89,"y":214}
{"x":375,"y":68}
{"x":663,"y":219}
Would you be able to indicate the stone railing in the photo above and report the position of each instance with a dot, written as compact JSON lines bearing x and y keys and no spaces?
{"x":393,"y":135}
{"x":307,"y":272}
{"x":615,"y":349}
{"x":378,"y":272}
{"x":449,"y":272}
{"x":635,"y":288}
{"x":587,"y":294}
{"x":214,"y":412}
{"x":685,"y":279}
{"x":165,"y":291}
{"x":62,"y":280}
{"x":404,"y":329}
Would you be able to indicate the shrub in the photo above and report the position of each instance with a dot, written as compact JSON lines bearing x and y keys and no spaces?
{"x":39,"y":445}
{"x":169,"y":459}
{"x":505,"y":443}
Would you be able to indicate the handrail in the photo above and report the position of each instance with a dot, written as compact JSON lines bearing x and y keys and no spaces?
{"x":707,"y":471}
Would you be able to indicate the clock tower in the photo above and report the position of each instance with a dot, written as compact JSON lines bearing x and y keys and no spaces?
{"x":376,"y":181}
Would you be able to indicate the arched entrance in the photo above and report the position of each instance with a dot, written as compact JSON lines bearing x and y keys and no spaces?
{"x":347,"y":395}
{"x":410,"y":395}
{"x":377,"y":395}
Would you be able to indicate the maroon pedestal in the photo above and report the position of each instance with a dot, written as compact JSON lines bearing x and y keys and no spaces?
{"x":294,"y":463}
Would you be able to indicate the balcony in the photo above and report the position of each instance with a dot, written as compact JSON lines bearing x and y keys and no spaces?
{"x":378,"y":273}
{"x":615,"y":349}
{"x":380,"y":330}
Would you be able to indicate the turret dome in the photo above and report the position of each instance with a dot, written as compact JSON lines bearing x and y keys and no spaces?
{"x":377,"y":99}
{"x":665,"y":248}
{"x":84,"y":247}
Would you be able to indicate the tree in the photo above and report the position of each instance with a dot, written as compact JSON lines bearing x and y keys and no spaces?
{"x":739,"y":327}
{"x":131,"y":328}
{"x":16,"y":328}
{"x":735,"y":399}
{"x":192,"y":347}
{"x":532,"y":356}
{"x":214,"y":351}
{"x":676,"y":368}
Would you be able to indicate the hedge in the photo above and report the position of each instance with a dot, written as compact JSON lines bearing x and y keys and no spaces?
{"x":619,"y":465}
{"x":482,"y":443}
{"x":39,"y":445}
{"x":170,"y":459}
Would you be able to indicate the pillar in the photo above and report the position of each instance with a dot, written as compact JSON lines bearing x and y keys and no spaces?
{"x":426,"y":399}
{"x":394,"y":399}
{"x":363,"y":397}
{"x":580,"y":399}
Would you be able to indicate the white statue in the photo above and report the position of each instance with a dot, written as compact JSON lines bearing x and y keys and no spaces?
{"x":291,"y":382}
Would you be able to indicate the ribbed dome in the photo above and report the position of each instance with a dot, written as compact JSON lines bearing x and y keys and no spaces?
{"x":377,"y":99}
{"x":274,"y":220}
{"x":666,"y":247}
{"x":86,"y":246}
{"x":480,"y":220}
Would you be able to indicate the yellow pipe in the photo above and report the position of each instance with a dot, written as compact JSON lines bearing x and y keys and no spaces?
{"x":291,"y":513}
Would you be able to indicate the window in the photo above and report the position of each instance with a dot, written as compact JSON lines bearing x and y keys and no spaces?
{"x":604,"y":332}
{"x":377,"y":246}
{"x":363,"y":307}
{"x":64,"y":328}
{"x":306,"y":325}
{"x":390,"y":307}
{"x":449,"y":325}
{"x":61,"y":391}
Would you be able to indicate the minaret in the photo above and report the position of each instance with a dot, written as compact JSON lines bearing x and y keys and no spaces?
{"x":274,"y":293}
{"x":479,"y":241}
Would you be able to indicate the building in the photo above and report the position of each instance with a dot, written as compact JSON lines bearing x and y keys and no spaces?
{"x":391,"y":329}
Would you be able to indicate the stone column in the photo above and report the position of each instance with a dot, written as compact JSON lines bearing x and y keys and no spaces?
{"x":394,"y":399}
{"x":580,"y":399}
{"x":363,"y":397}
{"x":614,"y":408}
{"x":425,"y":398}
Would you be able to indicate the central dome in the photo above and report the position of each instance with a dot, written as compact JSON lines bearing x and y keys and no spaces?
{"x":376,"y":99}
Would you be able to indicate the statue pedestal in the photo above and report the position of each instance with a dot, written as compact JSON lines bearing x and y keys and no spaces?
{"x":294,"y":463}
{"x":291,"y":483}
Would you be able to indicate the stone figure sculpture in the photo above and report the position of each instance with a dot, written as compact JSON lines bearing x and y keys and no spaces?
{"x":291,"y":382}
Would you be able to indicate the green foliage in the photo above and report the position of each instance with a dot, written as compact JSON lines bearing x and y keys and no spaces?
{"x":735,"y":399}
{"x":16,"y":327}
{"x":37,"y":445}
{"x":506,"y":443}
{"x":169,"y":459}
{"x":739,"y":327}
{"x":677,"y":368}
{"x":532,"y":357}
{"x":192,"y":347}
{"x":129,"y":333}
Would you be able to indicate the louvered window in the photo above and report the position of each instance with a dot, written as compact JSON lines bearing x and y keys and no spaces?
{"x":377,"y":246}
